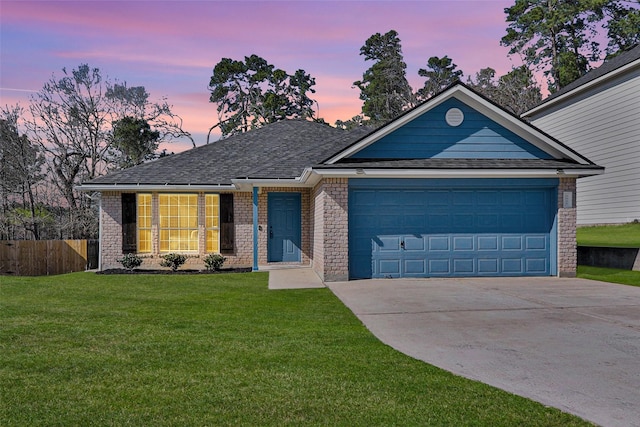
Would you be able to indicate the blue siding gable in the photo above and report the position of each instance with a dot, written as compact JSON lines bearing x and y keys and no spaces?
{"x":430,"y":137}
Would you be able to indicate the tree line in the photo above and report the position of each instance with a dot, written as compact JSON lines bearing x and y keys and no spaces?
{"x":82,"y":124}
{"x":557,"y":37}
{"x":77,"y":127}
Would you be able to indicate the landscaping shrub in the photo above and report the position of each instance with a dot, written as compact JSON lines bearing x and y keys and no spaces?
{"x":130,"y":261}
{"x":214,"y":262}
{"x":174,"y":261}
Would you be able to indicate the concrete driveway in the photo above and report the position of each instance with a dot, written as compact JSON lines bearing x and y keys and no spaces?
{"x":568,"y":343}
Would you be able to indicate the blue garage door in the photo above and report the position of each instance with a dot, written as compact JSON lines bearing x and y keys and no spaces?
{"x":449,"y":228}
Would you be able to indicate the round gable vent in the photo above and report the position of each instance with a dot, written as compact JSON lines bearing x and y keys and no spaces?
{"x":454,"y":117}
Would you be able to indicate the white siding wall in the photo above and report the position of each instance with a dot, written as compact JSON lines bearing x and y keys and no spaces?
{"x":604,"y":126}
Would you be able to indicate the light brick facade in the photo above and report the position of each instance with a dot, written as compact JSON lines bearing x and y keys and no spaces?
{"x":111,"y":233}
{"x":324,"y":233}
{"x":331,"y":229}
{"x":567,"y":245}
{"x":110,"y":229}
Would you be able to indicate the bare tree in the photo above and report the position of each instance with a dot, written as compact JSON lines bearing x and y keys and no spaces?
{"x":72,"y":121}
{"x":516,"y":91}
{"x":21,"y":164}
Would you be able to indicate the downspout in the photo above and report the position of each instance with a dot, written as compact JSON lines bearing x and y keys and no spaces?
{"x":100,"y":234}
{"x":255,"y":228}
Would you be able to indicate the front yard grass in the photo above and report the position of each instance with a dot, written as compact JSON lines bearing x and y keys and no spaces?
{"x":624,"y":235}
{"x":85,"y":349}
{"x":612,"y":275}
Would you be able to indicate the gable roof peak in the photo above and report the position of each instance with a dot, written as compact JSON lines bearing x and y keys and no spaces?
{"x":477,"y":102}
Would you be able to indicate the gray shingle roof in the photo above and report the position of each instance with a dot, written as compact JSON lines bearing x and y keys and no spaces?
{"x":283,"y":150}
{"x":279,"y":150}
{"x":607,"y":67}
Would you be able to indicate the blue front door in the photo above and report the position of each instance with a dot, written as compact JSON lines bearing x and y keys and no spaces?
{"x":284,"y":219}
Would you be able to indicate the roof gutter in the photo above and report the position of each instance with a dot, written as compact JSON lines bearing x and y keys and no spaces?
{"x":457,"y":173}
{"x":246,"y":184}
{"x":152,"y":187}
{"x":311,"y":176}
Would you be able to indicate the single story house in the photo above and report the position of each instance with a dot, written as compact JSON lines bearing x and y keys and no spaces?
{"x":454,"y":187}
{"x":599,"y":116}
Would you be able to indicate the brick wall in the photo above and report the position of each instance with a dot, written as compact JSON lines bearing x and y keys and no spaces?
{"x":331,"y":229}
{"x":567,"y":246}
{"x":111,"y":235}
{"x":111,"y":231}
{"x":243,"y":224}
{"x":317,"y":235}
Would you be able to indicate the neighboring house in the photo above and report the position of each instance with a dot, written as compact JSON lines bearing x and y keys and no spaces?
{"x":454,"y":187}
{"x":599,"y":116}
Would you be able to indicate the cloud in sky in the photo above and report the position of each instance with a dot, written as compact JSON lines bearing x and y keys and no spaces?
{"x":171,"y":47}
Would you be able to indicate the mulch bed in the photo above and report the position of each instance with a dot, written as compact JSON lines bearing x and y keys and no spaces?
{"x":145,"y":271}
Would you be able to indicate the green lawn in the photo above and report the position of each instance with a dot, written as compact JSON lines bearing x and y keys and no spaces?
{"x":613,"y":275}
{"x":625,"y":235}
{"x":143,"y":350}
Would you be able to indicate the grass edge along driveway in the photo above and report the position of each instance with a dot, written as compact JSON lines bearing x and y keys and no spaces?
{"x":87,"y":349}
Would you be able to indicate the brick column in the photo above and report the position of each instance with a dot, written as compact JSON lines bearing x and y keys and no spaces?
{"x":567,"y":220}
{"x":331,"y":229}
{"x":243,"y":223}
{"x":111,"y":233}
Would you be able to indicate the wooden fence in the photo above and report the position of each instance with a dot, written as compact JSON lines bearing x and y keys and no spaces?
{"x":45,"y":257}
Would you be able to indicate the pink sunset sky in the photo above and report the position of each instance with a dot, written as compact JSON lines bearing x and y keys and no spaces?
{"x":171,"y":47}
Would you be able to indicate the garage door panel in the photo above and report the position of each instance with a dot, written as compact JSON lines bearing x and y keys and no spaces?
{"x":463,"y":222}
{"x":512,"y":222}
{"x":487,"y":198}
{"x":464,"y":266}
{"x":415,"y":220}
{"x":487,"y":243}
{"x":451,"y":232}
{"x":536,"y":265}
{"x":439,"y":267}
{"x":439,"y":221}
{"x":365,"y":198}
{"x":488,"y":266}
{"x":415,"y":267}
{"x":488,"y":220}
{"x":438,"y":198}
{"x":413,"y":243}
{"x":462,"y":243}
{"x":387,"y":244}
{"x":438,"y":243}
{"x":463,"y":198}
{"x":512,"y":266}
{"x":535,"y":242}
{"x":535,"y":198}
{"x":460,"y":255}
{"x":511,"y":198}
{"x":411,"y":198}
{"x":512,"y":243}
{"x":389,"y":268}
{"x":387,"y":221}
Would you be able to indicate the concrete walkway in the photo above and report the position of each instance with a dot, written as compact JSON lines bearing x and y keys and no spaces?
{"x":294,"y":277}
{"x":568,"y":343}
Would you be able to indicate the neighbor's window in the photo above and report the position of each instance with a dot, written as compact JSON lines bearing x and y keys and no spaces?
{"x":144,"y":223}
{"x":212,"y":222}
{"x":178,"y":222}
